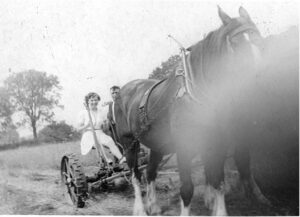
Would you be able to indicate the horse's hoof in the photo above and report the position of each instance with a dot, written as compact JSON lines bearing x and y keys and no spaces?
{"x":185,"y":213}
{"x":154,"y":209}
{"x":209,"y":197}
{"x":219,"y":213}
{"x":209,"y":204}
{"x":139,"y":213}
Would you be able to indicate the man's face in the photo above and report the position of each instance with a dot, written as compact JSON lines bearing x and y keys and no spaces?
{"x":115,"y":94}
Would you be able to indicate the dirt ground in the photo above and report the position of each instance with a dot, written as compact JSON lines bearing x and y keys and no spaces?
{"x":39,"y":192}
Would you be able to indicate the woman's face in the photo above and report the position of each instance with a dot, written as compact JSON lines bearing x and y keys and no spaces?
{"x":93,"y":102}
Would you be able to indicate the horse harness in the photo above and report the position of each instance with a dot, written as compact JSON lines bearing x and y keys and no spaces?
{"x":184,"y":89}
{"x":185,"y":83}
{"x":181,"y":74}
{"x":145,"y":123}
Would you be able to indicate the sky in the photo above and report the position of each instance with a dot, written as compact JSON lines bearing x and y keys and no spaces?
{"x":92,"y":45}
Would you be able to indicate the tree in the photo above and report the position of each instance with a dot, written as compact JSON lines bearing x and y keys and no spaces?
{"x":8,"y":132}
{"x":168,"y":67}
{"x":58,"y":132}
{"x":34,"y":94}
{"x":5,"y":110}
{"x":9,"y":136}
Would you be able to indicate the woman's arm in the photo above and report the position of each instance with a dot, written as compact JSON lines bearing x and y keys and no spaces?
{"x":83,"y":127}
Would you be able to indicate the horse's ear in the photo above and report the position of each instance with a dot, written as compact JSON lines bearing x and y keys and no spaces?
{"x":224,"y":17}
{"x":243,"y":13}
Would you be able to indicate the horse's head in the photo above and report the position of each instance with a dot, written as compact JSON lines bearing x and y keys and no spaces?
{"x":243,"y":40}
{"x":231,"y":49}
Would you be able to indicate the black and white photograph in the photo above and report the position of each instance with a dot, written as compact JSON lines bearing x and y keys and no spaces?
{"x":149,"y":107}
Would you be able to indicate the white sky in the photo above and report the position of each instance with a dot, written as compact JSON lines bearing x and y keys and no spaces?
{"x":92,"y":45}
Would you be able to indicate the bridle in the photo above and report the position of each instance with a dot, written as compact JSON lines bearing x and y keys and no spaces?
{"x":240,"y":30}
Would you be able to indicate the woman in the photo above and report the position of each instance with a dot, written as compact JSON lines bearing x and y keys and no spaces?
{"x":98,"y":117}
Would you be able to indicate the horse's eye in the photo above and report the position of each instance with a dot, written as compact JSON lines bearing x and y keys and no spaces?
{"x":236,"y":39}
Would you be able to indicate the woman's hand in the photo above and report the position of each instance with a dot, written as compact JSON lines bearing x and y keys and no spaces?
{"x":84,"y":127}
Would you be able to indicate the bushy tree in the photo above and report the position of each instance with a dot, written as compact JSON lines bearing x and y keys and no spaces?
{"x":9,"y":136}
{"x":58,"y":132}
{"x":6,"y":110}
{"x":34,"y":94}
{"x":168,"y":67}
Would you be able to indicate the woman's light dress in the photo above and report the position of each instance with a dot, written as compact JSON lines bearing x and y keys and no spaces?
{"x":87,"y":140}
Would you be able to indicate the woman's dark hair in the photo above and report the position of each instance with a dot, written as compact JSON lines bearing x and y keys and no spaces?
{"x":91,"y":95}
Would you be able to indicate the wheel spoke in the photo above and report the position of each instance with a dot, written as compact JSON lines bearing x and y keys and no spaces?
{"x":69,"y":170}
{"x":74,"y":179}
{"x":73,"y":194}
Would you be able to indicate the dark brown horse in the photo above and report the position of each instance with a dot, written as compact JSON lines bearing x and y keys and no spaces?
{"x":194,"y":121}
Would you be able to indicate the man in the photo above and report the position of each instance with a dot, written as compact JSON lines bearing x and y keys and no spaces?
{"x":115,"y":93}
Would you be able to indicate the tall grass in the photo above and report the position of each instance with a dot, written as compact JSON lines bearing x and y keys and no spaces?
{"x":44,"y":156}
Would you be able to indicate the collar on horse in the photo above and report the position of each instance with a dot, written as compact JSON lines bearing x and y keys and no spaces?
{"x":186,"y":73}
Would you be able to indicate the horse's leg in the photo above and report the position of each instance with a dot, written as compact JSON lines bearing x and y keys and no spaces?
{"x":187,"y":188}
{"x":132,"y":161}
{"x":214,"y":196}
{"x":155,"y":159}
{"x":242,"y":160}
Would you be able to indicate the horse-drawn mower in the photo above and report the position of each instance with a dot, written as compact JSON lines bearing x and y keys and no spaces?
{"x":78,"y":184}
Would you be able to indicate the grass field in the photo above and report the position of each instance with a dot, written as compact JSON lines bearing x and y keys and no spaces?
{"x":30,"y":184}
{"x":45,"y":156}
{"x":30,"y":180}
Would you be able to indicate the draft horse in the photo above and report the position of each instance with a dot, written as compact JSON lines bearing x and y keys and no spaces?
{"x":183,"y":114}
